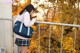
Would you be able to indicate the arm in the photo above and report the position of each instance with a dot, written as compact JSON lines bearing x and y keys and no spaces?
{"x":27,"y":21}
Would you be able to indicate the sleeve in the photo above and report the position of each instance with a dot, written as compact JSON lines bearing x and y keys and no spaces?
{"x":27,"y":21}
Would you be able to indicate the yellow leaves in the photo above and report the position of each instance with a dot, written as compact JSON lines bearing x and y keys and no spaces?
{"x":56,"y":30}
{"x":61,"y":1}
{"x":57,"y":18}
{"x":72,"y":1}
{"x":67,"y":14}
{"x":34,"y":27}
{"x":43,"y":51}
{"x":33,"y":46}
{"x":68,"y":43}
{"x":52,"y":0}
{"x":49,"y":20}
{"x":69,"y":1}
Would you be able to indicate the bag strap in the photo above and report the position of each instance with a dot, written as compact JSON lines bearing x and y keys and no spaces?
{"x":22,"y":22}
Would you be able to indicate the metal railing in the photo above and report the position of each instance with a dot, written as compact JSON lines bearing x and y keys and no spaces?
{"x":59,"y":24}
{"x":53,"y":23}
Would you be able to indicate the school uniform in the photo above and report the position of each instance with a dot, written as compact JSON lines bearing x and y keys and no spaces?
{"x":23,"y":41}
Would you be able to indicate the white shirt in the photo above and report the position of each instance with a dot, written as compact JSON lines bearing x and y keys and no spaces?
{"x":26,"y":20}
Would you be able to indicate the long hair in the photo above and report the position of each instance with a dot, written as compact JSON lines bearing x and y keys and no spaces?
{"x":28,"y":8}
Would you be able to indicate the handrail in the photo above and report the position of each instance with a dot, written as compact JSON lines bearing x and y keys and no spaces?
{"x":6,"y":19}
{"x":54,"y":23}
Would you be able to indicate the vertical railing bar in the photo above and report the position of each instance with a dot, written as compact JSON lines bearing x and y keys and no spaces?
{"x":49,"y":38}
{"x":39,"y":40}
{"x":74,"y":40}
{"x":62,"y":40}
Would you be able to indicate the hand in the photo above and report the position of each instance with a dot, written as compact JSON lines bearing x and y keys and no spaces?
{"x":33,"y":15}
{"x":39,"y":19}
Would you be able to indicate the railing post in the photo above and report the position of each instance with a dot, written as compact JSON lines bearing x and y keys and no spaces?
{"x":39,"y":39}
{"x":62,"y":39}
{"x":49,"y":38}
{"x":74,"y":39}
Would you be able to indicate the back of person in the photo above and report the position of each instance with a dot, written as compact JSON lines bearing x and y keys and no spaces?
{"x":24,"y":15}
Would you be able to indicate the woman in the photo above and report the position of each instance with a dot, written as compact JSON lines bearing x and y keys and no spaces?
{"x":26,"y":15}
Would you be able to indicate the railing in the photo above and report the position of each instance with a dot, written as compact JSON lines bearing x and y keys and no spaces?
{"x":60,"y":24}
{"x":53,"y":23}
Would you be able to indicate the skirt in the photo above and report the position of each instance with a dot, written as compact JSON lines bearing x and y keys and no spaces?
{"x":22,"y":42}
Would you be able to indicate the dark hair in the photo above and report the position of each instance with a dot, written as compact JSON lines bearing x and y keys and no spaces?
{"x":28,"y":8}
